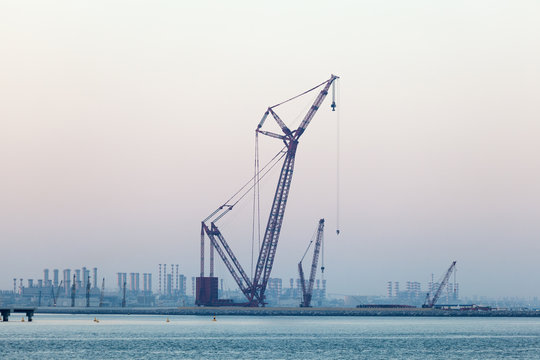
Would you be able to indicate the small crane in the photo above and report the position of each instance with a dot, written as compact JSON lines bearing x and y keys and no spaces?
{"x":430,"y":302}
{"x":307,"y":292}
{"x":254,"y":287}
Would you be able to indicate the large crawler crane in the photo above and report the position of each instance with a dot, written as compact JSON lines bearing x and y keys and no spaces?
{"x":254,"y":288}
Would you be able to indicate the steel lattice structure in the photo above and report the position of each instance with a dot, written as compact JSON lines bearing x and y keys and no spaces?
{"x":254,"y":289}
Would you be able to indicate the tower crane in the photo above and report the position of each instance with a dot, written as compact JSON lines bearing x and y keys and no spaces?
{"x":430,"y":301}
{"x":254,"y":288}
{"x":308,"y":291}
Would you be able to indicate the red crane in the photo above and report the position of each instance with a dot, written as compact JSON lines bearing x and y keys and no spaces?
{"x":254,"y":289}
{"x":307,"y":292}
{"x":430,"y":302}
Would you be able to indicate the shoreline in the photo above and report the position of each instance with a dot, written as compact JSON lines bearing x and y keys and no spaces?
{"x":276,"y":311}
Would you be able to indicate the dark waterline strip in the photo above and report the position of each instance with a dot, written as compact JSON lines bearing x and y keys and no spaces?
{"x":246,"y":311}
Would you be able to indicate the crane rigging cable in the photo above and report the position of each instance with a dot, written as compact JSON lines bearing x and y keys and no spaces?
{"x":299,"y":95}
{"x":256,"y":220}
{"x":271,"y":163}
{"x":257,"y":176}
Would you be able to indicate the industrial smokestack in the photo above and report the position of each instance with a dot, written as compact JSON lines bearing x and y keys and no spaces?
{"x":78,"y":278}
{"x":46,"y":277}
{"x":95,"y":277}
{"x":84,"y":277}
{"x":55,"y":277}
{"x":67,"y":281}
{"x":145,"y":282}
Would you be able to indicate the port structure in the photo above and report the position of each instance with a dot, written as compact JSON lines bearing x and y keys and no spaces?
{"x":307,"y":290}
{"x":254,"y":288}
{"x":431,"y":301}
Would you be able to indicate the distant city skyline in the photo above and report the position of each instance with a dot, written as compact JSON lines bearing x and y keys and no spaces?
{"x":124,"y":124}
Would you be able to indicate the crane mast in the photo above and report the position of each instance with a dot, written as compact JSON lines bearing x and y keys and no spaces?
{"x":307,"y":292}
{"x":429,"y":303}
{"x":254,"y":289}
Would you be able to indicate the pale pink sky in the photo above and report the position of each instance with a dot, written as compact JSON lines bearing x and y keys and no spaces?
{"x":124,"y":123}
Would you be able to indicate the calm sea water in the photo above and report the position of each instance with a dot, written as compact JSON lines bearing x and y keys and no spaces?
{"x":233,"y":337}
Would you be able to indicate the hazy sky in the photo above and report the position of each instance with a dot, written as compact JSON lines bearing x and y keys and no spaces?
{"x":124,"y":123}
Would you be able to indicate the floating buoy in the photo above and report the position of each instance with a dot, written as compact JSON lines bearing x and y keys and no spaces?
{"x":168,"y":320}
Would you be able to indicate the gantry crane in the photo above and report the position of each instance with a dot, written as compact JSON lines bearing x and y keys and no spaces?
{"x":254,"y":288}
{"x":430,"y":301}
{"x":307,"y":292}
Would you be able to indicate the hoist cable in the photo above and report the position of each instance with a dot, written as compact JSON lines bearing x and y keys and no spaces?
{"x":338,"y":180}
